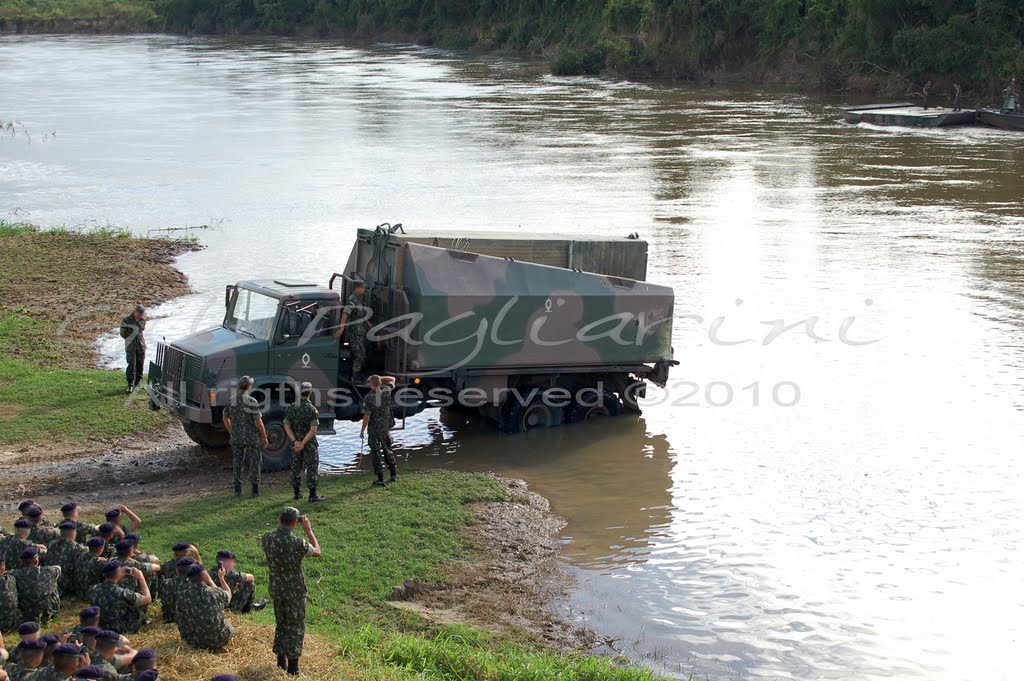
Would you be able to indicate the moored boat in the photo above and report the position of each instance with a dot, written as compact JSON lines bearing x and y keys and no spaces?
{"x":999,"y":119}
{"x":908,"y":115}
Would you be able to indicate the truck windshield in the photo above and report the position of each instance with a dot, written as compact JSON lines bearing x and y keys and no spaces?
{"x":252,"y":314}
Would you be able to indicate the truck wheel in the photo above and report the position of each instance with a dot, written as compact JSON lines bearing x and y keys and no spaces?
{"x":519,"y":418}
{"x":278,"y":455}
{"x":206,"y":434}
{"x":610,"y":405}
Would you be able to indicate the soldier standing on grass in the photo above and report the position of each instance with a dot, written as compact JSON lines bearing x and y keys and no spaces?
{"x":287,"y":586}
{"x":378,"y":418}
{"x":133,"y":331}
{"x":300,"y":424}
{"x":357,"y":331}
{"x":248,"y":435}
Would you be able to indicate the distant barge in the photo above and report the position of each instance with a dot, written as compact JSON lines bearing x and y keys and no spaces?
{"x":999,"y":119}
{"x":907,"y":115}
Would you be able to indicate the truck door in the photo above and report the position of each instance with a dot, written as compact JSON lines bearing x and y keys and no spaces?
{"x":305,"y":348}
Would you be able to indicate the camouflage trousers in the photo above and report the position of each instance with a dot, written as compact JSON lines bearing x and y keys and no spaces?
{"x":134,"y":371}
{"x":290,"y":618}
{"x":213,"y":641}
{"x":357,"y":344}
{"x":242,"y":596}
{"x":251,"y":456}
{"x":308,"y":458}
{"x":380,"y":446}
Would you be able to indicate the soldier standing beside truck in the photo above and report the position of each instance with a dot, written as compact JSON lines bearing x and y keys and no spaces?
{"x":244,"y":424}
{"x":133,"y":331}
{"x":300,"y":424}
{"x":377,"y":416}
{"x":357,"y":332}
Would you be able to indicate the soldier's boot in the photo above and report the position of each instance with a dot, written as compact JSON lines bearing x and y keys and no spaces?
{"x":293,"y":667}
{"x":259,"y":605}
{"x":394,"y":473}
{"x":281,"y":662}
{"x":379,"y":482}
{"x":298,"y":493}
{"x":255,"y":491}
{"x":238,"y":490}
{"x":314,"y":497}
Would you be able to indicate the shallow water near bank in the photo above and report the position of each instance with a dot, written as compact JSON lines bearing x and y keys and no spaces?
{"x":839,"y":500}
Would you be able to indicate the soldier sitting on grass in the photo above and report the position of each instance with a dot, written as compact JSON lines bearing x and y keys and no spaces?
{"x":170,"y":589}
{"x":110,"y":534}
{"x":83,"y":531}
{"x":122,"y":610}
{"x":117,"y":517}
{"x":12,"y":545}
{"x":29,"y":660}
{"x":242,"y":584}
{"x":88,"y":567}
{"x":144,"y":661}
{"x":87,"y":617}
{"x":66,"y":660}
{"x":38,"y":587}
{"x":41,"y":532}
{"x":64,"y":553}
{"x":27,"y":631}
{"x":111,"y":654}
{"x":201,"y":608}
{"x":10,"y":615}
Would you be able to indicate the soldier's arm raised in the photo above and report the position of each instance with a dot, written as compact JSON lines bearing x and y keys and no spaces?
{"x":313,"y":543}
{"x":387,"y":380}
{"x":140,"y":579}
{"x":136,"y":521}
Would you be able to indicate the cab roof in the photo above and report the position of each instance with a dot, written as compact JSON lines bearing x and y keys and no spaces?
{"x":289,"y":289}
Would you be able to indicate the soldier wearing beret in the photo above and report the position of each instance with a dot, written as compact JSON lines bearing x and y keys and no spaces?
{"x":64,"y":553}
{"x":125,"y":549}
{"x":87,"y":617}
{"x":52,"y":641}
{"x":133,"y":331}
{"x":124,"y":520}
{"x":355,"y":323}
{"x":201,"y":605}
{"x":122,"y":610}
{"x":25,"y":505}
{"x":29,"y":659}
{"x":65,"y":662}
{"x":27,"y":631}
{"x":82,"y":530}
{"x":12,"y":545}
{"x":88,"y":566}
{"x":378,"y":419}
{"x":110,"y":534}
{"x":38,"y":587}
{"x":137,"y":552}
{"x":242,"y":584}
{"x":143,"y":661}
{"x":88,"y":638}
{"x":172,"y":587}
{"x":10,"y":615}
{"x":244,"y":424}
{"x":41,"y":532}
{"x":107,"y":657}
{"x":285,"y":552}
{"x":300,"y":424}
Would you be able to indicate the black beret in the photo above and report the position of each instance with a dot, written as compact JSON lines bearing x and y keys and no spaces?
{"x":195,"y":571}
{"x":23,"y":523}
{"x":50,"y":639}
{"x":148,"y":675}
{"x":107,"y":528}
{"x":113,"y":513}
{"x":29,"y":553}
{"x":68,"y":507}
{"x":124,"y":545}
{"x":108,"y":635}
{"x":181,"y":546}
{"x":67,"y":650}
{"x":33,"y":644}
{"x":145,"y":654}
{"x":28,"y":503}
{"x":225,"y":555}
{"x":34,"y":512}
{"x":26,"y":628}
{"x":90,"y":631}
{"x":132,"y":537}
{"x":225,"y":677}
{"x":96,"y":541}
{"x":67,"y":525}
{"x":89,"y":613}
{"x":110,"y":566}
{"x":187,"y":561}
{"x":91,"y":672}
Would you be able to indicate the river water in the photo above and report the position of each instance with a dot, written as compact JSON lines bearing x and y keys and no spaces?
{"x":839,"y":501}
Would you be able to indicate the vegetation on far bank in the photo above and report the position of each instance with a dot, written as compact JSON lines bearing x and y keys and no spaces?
{"x":62,"y":289}
{"x":894,"y":46}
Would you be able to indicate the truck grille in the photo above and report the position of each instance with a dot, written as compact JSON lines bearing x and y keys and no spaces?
{"x":181,"y":374}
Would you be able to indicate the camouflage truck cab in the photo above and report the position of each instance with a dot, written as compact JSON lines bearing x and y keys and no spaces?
{"x":530,"y":330}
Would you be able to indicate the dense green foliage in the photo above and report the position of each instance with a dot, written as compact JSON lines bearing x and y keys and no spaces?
{"x":833,"y":43}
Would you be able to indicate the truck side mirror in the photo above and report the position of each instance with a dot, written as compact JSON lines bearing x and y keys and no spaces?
{"x":227,"y":295}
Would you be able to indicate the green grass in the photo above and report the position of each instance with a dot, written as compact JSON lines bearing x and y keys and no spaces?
{"x":373,"y":539}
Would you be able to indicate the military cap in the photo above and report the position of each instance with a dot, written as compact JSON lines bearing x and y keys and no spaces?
{"x":67,"y":650}
{"x":195,"y":571}
{"x":23,"y":524}
{"x":225,"y":555}
{"x":29,"y":553}
{"x":305,"y":387}
{"x":289,"y":514}
{"x":34,"y":512}
{"x":50,"y":639}
{"x":95,"y":542}
{"x":91,"y":673}
{"x":133,"y":538}
{"x":181,"y":546}
{"x":187,"y":561}
{"x":90,"y":631}
{"x":89,"y":613}
{"x":124,"y":545}
{"x":67,"y":525}
{"x":28,"y":503}
{"x":113,"y":514}
{"x":107,"y":528}
{"x":108,"y":635}
{"x":148,"y":675}
{"x":225,"y":677}
{"x":145,"y":654}
{"x":244,"y":382}
{"x":26,"y":628}
{"x":33,"y":644}
{"x":68,"y":507}
{"x":110,"y":566}
{"x":140,"y":308}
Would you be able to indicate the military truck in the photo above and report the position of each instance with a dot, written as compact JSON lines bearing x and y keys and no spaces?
{"x":530,"y":330}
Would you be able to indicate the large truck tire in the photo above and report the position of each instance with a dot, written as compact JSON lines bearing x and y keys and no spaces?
{"x":609,"y":405}
{"x":517,"y":417}
{"x":207,"y":435}
{"x":278,"y":455}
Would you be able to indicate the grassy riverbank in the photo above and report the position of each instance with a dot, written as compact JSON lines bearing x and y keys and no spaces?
{"x":372,"y":540}
{"x":61,"y":289}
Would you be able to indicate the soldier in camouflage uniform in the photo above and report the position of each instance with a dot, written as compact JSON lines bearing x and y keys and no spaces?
{"x":248,"y":435}
{"x":125,"y":548}
{"x":354,"y":325}
{"x":38,"y":590}
{"x":111,"y":534}
{"x":284,"y":552}
{"x":300,"y":424}
{"x":143,"y":661}
{"x":116,"y":517}
{"x":201,"y":610}
{"x":172,"y":586}
{"x":133,"y":331}
{"x":108,"y":657}
{"x":12,"y":545}
{"x":27,"y":631}
{"x":137,"y":552}
{"x":82,"y":530}
{"x":64,"y":553}
{"x":121,"y":610}
{"x":24,"y":669}
{"x":41,"y":533}
{"x":242,"y":585}
{"x":378,"y":419}
{"x":88,"y":566}
{"x":180,"y":550}
{"x":10,"y":615}
{"x":65,"y":661}
{"x":87,"y":617}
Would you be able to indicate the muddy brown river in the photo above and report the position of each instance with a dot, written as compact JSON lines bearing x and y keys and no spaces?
{"x":831,"y":488}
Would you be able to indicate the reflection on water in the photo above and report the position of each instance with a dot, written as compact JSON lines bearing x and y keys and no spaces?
{"x":840,"y":501}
